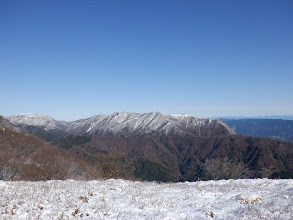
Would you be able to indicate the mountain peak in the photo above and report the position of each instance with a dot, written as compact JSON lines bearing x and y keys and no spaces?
{"x":35,"y":120}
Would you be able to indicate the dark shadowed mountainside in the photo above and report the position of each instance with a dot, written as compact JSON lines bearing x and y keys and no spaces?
{"x":189,"y":158}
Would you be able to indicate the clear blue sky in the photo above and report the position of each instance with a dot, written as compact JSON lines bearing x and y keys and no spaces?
{"x":73,"y":59}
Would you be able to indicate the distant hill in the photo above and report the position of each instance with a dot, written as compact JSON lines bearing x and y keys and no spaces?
{"x":283,"y":117}
{"x":41,"y":125}
{"x":276,"y":129}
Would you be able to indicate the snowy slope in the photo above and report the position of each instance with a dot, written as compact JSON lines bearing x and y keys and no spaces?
{"x":135,"y":123}
{"x":36,"y":120}
{"x":84,"y":125}
{"x":122,"y":199}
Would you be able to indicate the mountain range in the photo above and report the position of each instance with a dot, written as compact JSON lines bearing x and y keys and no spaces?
{"x":163,"y":147}
{"x":283,"y":117}
{"x":124,"y":123}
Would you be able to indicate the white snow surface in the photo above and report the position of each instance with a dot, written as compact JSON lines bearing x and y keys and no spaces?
{"x":122,"y":199}
{"x":35,"y":120}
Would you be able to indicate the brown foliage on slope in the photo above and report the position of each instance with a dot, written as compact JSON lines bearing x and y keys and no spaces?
{"x":26,"y":157}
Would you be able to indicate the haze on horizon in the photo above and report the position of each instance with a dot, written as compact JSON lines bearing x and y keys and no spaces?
{"x":75,"y":59}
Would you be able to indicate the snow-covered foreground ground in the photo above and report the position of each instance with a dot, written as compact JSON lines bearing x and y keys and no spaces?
{"x":121,"y":199}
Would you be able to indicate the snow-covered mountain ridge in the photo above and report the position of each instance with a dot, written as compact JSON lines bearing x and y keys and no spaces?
{"x":125,"y":122}
{"x":36,"y":120}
